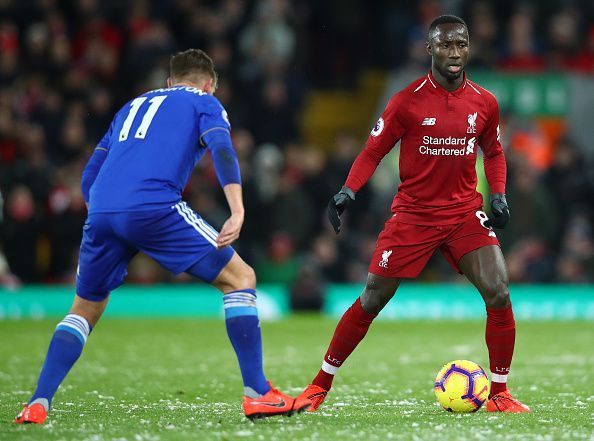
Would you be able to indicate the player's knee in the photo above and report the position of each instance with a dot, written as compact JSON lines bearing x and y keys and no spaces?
{"x":497,"y":295}
{"x":246,"y":277}
{"x":374,"y":297}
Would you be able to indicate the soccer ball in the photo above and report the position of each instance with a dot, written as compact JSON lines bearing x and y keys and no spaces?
{"x":461,"y":386}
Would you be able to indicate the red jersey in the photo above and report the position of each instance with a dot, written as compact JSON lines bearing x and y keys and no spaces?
{"x":439,"y":133}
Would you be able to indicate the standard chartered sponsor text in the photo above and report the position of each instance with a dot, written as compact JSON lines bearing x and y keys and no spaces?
{"x":446,"y":151}
{"x":441,"y":151}
{"x":450,"y":140}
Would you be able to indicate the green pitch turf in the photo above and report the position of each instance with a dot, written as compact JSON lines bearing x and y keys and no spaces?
{"x":177,"y":380}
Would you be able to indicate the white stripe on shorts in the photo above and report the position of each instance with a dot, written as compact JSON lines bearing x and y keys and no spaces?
{"x":199,"y":222}
{"x":203,"y":233}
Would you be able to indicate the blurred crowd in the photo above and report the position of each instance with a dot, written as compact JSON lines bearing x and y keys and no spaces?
{"x":67,"y":66}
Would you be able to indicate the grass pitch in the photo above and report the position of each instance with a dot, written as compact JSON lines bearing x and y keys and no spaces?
{"x":178,"y":380}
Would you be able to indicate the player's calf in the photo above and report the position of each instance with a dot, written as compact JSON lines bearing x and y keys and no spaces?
{"x":349,"y":332}
{"x":65,"y":348}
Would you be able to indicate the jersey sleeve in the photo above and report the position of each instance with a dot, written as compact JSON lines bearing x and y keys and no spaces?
{"x":95,"y":162}
{"x":389,"y":127}
{"x":213,"y":116}
{"x":387,"y":132}
{"x":494,"y":159}
{"x":104,"y":143}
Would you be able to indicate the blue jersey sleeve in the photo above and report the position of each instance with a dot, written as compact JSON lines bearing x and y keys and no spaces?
{"x":106,"y":140}
{"x":213,"y":117}
{"x":91,"y":171}
{"x":223,"y":157}
{"x":95,"y":162}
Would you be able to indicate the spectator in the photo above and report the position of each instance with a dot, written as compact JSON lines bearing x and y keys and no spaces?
{"x":21,"y":234}
{"x":521,"y":52}
{"x":280,"y":265}
{"x":66,"y":67}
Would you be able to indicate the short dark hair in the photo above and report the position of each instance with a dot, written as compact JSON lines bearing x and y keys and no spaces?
{"x":191,"y":62}
{"x":443,"y":19}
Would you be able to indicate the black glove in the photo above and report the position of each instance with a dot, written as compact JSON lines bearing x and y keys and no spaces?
{"x":500,"y":212}
{"x":337,"y":205}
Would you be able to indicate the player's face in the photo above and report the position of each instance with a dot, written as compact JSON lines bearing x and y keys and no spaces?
{"x":448,"y":47}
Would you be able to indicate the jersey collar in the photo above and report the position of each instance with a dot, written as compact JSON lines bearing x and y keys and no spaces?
{"x":439,"y":89}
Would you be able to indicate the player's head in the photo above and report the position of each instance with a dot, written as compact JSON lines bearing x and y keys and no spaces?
{"x":195,"y":67}
{"x":447,"y":43}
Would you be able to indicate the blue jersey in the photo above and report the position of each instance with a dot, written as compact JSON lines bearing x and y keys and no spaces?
{"x":153,"y":144}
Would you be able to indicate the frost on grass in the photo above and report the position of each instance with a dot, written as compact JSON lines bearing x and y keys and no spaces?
{"x":406,"y":402}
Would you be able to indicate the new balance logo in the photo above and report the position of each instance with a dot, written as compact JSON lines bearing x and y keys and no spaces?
{"x":385,"y":256}
{"x":429,"y":122}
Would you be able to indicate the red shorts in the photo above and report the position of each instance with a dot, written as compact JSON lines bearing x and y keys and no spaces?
{"x":403,"y":250}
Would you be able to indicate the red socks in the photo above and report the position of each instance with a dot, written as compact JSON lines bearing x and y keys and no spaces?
{"x":349,"y":332}
{"x":500,"y":336}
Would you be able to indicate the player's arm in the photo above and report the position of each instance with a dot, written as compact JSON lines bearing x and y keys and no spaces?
{"x":387,"y":131}
{"x":94,"y":164}
{"x":495,"y":169}
{"x":223,"y":155}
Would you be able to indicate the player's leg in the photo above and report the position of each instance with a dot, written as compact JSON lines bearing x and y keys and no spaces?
{"x":102,"y":267}
{"x":485,"y":268}
{"x":354,"y":324}
{"x":402,"y":251}
{"x":349,"y":332}
{"x":474,"y":251}
{"x":65,"y":348}
{"x":237,"y":282}
{"x":180,"y":240}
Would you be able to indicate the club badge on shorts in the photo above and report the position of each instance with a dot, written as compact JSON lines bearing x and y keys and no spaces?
{"x":385,"y":256}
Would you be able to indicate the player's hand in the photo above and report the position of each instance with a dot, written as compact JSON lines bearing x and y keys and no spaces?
{"x":230,"y":231}
{"x":337,"y":205}
{"x":500,"y":212}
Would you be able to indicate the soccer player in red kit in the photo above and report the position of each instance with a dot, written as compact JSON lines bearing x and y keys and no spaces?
{"x":441,"y":120}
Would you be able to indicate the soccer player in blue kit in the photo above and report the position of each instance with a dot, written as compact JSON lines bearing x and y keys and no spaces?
{"x":133,"y":184}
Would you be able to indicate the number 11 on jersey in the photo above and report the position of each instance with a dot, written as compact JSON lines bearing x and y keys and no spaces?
{"x":146,"y":120}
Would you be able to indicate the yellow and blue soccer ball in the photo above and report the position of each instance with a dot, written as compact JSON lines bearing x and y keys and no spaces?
{"x":461,"y":386}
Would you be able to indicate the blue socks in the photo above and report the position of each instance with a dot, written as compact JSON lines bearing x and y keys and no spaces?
{"x":64,"y":349}
{"x":243,"y":328}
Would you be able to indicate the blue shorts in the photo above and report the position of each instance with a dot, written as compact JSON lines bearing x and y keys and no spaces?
{"x":177,"y":238}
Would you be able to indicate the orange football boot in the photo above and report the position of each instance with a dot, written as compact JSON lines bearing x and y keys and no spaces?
{"x":315,"y":394}
{"x":504,"y":402}
{"x":270,"y":404}
{"x":34,"y":414}
{"x":301,"y":404}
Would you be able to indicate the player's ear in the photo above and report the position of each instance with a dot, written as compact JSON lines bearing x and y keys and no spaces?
{"x":209,"y":86}
{"x":429,"y":49}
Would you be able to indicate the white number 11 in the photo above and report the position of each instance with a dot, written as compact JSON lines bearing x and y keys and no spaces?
{"x":146,"y":119}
